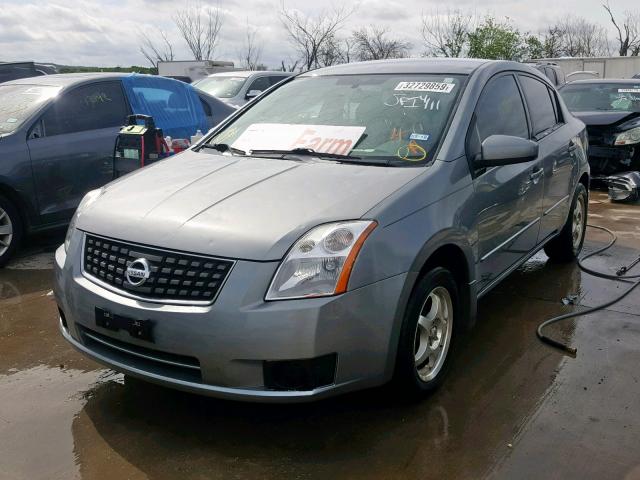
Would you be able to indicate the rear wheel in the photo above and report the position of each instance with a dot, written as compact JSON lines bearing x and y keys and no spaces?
{"x":567,"y":245}
{"x":429,"y":333}
{"x":10,"y":230}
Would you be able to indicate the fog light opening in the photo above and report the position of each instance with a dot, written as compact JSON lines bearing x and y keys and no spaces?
{"x":300,"y":375}
{"x":63,"y":319}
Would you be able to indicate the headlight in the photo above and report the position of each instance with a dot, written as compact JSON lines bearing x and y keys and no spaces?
{"x":320,"y":263}
{"x":87,"y":200}
{"x":629,"y":137}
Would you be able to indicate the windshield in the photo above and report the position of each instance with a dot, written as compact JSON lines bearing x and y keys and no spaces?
{"x":18,"y":102}
{"x":221,"y":87}
{"x":397,"y":118}
{"x":617,"y":97}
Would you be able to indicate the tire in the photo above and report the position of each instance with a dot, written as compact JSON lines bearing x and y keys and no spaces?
{"x":567,"y":245}
{"x":10,"y":230}
{"x":415,"y":373}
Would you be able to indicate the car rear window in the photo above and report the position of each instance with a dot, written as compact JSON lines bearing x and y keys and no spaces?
{"x":221,"y":86}
{"x":19,"y":102}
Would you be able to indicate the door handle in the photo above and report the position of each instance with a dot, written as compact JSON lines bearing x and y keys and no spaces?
{"x":536,"y":174}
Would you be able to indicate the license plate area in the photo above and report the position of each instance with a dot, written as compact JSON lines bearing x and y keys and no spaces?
{"x":141,"y":329}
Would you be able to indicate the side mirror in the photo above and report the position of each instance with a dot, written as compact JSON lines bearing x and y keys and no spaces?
{"x":500,"y":150}
{"x":253,"y":93}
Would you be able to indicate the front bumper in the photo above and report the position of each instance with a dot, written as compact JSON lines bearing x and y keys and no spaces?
{"x":608,"y":160}
{"x":231,"y":341}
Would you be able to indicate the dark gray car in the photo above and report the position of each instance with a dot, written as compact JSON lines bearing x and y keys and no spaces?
{"x":57,"y":137}
{"x":333,"y":235}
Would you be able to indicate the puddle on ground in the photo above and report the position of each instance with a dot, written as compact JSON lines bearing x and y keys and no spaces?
{"x":511,"y":405}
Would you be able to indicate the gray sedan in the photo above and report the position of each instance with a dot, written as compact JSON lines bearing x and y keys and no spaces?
{"x":334,"y":235}
{"x":237,"y":88}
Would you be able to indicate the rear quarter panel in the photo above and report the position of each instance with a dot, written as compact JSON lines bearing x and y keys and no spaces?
{"x":16,"y":176}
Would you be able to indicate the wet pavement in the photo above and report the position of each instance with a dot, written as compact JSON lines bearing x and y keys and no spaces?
{"x":511,"y":408}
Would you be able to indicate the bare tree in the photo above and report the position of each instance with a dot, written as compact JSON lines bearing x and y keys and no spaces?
{"x":335,"y":51}
{"x":628,"y":32}
{"x":251,"y":50}
{"x":200,"y":28}
{"x":582,"y":38}
{"x":330,"y":52}
{"x":310,"y":35}
{"x":289,"y":67}
{"x":374,"y":44}
{"x":161,"y":51}
{"x":347,"y":51}
{"x":575,"y":37}
{"x":552,"y":42}
{"x":446,"y":34}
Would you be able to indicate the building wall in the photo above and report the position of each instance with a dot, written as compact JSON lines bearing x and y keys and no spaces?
{"x":607,"y":67}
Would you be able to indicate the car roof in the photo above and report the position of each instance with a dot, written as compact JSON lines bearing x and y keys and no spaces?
{"x":626,"y":81}
{"x":405,"y":65}
{"x":67,"y":79}
{"x":248,"y":73}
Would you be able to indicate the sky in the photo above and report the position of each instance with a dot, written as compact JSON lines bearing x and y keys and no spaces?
{"x":107,"y":32}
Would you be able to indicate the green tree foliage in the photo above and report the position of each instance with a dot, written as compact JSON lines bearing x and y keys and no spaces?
{"x":496,"y":40}
{"x":534,"y":47}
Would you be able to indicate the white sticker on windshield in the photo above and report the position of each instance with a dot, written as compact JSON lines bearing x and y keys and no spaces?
{"x":280,"y":136}
{"x":438,"y":87}
{"x":419,"y":136}
{"x":629,"y":90}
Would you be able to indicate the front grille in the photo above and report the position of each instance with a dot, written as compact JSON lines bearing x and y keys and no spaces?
{"x":174,"y":277}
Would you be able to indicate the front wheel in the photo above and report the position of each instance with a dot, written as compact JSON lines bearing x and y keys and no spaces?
{"x":429,"y":332}
{"x":567,"y":245}
{"x":10,"y":230}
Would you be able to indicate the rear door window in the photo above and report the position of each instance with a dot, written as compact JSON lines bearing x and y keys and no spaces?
{"x":541,"y":109}
{"x":89,"y":107}
{"x":276,"y":79}
{"x":261,"y":83}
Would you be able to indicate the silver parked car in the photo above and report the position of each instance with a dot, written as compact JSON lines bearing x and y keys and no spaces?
{"x":237,"y":88}
{"x":334,"y":235}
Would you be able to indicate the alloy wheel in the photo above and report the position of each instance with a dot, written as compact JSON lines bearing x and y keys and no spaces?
{"x":578,"y":221}
{"x":433,"y":333}
{"x":6,"y":231}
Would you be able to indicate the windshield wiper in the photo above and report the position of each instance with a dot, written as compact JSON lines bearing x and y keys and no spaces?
{"x":224,"y":147}
{"x":306,"y":151}
{"x":338,"y":157}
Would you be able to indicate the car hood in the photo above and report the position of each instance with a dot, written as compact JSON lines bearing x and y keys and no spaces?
{"x":237,"y":207}
{"x":604,"y":118}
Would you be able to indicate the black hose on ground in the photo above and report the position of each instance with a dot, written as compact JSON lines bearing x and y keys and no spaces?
{"x":564,"y":347}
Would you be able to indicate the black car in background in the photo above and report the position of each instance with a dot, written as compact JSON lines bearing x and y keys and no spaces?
{"x":57,"y":139}
{"x":611,"y":111}
{"x":552,"y":71}
{"x":15,"y":70}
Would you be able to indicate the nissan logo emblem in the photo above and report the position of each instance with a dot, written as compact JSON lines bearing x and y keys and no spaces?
{"x":138,"y":272}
